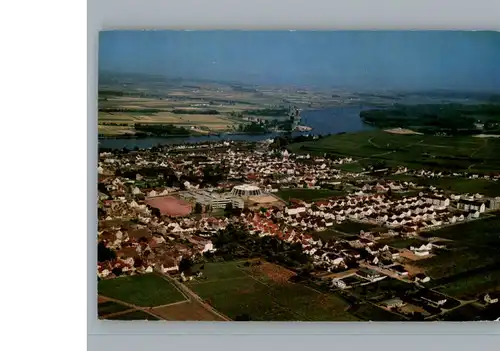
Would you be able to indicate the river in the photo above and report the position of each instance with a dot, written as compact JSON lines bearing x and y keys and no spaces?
{"x":323,"y":121}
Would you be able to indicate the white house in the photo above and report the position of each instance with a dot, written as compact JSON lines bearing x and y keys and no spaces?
{"x":295,"y":211}
{"x":422,"y":250}
{"x":468,"y":205}
{"x":339,"y":283}
{"x":490,"y":299}
{"x":422,"y":278}
{"x":370,"y":275}
{"x":436,"y":301}
{"x":169,"y":265}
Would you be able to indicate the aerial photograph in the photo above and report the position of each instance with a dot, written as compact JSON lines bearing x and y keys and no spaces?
{"x":298,"y":176}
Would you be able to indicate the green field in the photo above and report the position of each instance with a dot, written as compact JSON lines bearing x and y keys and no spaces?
{"x":109,"y":307}
{"x":479,"y":233}
{"x":235,"y":291}
{"x":455,"y":185}
{"x":135,"y":316}
{"x":448,"y":263}
{"x":402,"y":243}
{"x":469,"y":287}
{"x":354,"y":167}
{"x":308,"y":194}
{"x":414,"y":151}
{"x":145,"y":290}
{"x":332,"y":234}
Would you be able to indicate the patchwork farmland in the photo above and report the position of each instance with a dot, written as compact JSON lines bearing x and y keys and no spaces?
{"x":263,"y":292}
{"x":148,"y":297}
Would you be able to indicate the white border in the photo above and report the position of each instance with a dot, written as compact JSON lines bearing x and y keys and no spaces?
{"x":261,"y":14}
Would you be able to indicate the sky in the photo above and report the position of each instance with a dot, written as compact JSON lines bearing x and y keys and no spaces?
{"x":411,"y":60}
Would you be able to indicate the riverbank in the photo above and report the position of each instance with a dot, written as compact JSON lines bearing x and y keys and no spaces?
{"x":322,"y":122}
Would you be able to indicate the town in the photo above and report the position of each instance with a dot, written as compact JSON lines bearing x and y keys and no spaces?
{"x":207,"y":217}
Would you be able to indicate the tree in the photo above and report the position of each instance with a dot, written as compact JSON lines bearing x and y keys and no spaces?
{"x":185,"y":265}
{"x":198,"y":208}
{"x":138,"y":262}
{"x":104,"y":253}
{"x":229,"y":208}
{"x":100,"y":213}
{"x":156,"y":212}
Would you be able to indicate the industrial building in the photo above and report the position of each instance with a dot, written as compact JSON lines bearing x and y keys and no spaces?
{"x":213,"y":200}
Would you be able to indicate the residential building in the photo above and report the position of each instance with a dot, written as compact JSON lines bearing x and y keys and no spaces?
{"x":393,"y":303}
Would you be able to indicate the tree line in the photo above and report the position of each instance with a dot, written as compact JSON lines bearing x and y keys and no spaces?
{"x":455,"y":119}
{"x":195,"y":112}
{"x":161,"y":129}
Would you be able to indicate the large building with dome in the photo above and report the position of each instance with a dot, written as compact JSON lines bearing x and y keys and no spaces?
{"x":246,"y":190}
{"x":240,"y":196}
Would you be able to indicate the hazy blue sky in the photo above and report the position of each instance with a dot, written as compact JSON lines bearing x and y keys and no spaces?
{"x":381,"y":60}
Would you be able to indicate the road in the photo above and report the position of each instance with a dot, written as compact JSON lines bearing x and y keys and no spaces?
{"x":188,"y":294}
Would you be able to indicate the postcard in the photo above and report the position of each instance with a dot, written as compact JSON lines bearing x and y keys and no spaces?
{"x":298,"y":176}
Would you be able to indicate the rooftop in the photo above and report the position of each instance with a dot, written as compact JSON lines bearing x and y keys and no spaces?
{"x":246,"y":187}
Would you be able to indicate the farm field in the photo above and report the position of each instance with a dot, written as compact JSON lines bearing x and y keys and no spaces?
{"x":308,"y":194}
{"x":144,"y":290}
{"x":455,"y":185}
{"x":158,"y":107}
{"x":402,"y":243}
{"x":468,"y":288}
{"x":479,"y":233}
{"x":448,"y":263}
{"x":109,"y":307}
{"x":215,"y":123}
{"x":413,"y":151}
{"x":354,"y":167}
{"x":186,"y":311}
{"x":264,"y":293}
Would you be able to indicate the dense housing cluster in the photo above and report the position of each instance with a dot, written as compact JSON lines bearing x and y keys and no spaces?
{"x":164,"y":209}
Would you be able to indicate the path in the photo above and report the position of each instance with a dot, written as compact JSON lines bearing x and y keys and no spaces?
{"x":371,"y":142}
{"x":387,"y":152}
{"x":194,"y":298}
{"x":133,"y":308}
{"x":485,"y":142}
